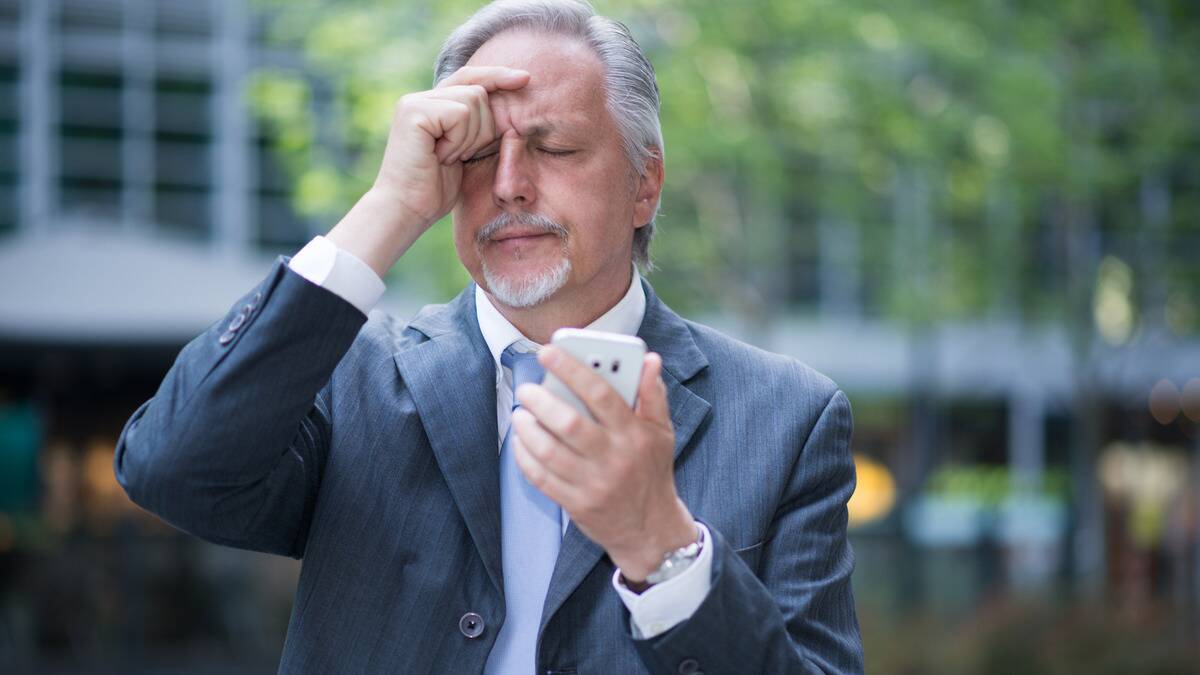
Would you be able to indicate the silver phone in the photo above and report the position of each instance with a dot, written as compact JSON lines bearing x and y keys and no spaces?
{"x":616,"y":358}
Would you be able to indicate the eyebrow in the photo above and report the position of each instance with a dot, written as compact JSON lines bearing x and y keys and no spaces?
{"x":541,"y":129}
{"x":538,"y":130}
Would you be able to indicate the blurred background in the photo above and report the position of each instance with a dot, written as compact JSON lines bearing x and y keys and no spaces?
{"x":981,"y":218}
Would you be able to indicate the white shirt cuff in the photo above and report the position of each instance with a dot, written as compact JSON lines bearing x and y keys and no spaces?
{"x":659,"y":608}
{"x":325,"y":264}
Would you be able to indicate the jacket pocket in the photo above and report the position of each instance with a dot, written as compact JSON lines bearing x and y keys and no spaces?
{"x":750,"y":555}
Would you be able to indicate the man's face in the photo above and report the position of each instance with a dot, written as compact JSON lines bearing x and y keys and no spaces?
{"x":558,"y":159}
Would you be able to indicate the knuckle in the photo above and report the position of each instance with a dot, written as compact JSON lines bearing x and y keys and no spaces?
{"x":606,"y":489}
{"x":635,"y":440}
{"x":589,"y":503}
{"x":574,"y":424}
{"x":532,"y":471}
{"x":409,"y":112}
{"x":538,"y":448}
{"x":621,"y":466}
{"x":597,"y":391}
{"x":535,"y":476}
{"x":406,"y":101}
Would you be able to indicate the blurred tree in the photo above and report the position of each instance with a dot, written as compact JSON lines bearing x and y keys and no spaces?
{"x":913,"y":160}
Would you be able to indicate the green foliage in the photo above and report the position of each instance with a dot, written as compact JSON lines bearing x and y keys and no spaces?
{"x":990,"y":486}
{"x":968,"y":147}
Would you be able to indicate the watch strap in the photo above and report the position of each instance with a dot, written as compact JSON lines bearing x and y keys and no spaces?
{"x":675,"y":562}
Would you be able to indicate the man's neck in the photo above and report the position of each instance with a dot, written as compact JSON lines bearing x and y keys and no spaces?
{"x":566,"y":310}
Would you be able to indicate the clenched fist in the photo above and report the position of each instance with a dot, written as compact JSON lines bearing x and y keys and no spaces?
{"x":421,"y":174}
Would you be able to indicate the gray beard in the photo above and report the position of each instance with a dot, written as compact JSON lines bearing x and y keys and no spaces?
{"x":530,"y":290}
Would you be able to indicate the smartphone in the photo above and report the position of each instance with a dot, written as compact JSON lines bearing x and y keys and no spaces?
{"x":616,"y":358}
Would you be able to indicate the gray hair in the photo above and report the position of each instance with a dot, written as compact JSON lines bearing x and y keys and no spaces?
{"x":630,"y":88}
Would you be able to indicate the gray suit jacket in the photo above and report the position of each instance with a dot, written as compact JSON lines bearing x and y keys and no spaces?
{"x":298,"y":426}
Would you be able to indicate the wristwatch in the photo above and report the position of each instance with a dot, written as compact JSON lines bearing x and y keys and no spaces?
{"x":675,"y":562}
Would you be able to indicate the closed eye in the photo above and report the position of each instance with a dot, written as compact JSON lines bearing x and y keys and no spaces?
{"x":484,"y":154}
{"x":480,"y":157}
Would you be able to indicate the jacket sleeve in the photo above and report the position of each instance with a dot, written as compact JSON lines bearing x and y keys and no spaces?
{"x":797,"y":614}
{"x":232,"y":445}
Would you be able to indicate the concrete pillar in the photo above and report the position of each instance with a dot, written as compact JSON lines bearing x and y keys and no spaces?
{"x":232,"y":181}
{"x":38,"y":181}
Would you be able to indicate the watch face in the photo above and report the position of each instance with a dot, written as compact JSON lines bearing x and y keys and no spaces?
{"x":675,"y":564}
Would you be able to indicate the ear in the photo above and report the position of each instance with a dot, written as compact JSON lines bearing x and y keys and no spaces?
{"x":649,"y":190}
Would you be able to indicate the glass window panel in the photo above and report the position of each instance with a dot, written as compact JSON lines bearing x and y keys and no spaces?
{"x":270,"y":175}
{"x":8,"y":93}
{"x":279,"y":227}
{"x":84,"y":157}
{"x":90,"y":107}
{"x":90,"y":14}
{"x":10,"y":10}
{"x":9,"y":151}
{"x":182,"y":211}
{"x":182,"y":113}
{"x":183,"y":164}
{"x":183,"y":17}
{"x":90,"y":198}
{"x":8,"y":203}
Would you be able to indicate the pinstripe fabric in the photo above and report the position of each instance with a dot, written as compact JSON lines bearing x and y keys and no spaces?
{"x":367,"y":447}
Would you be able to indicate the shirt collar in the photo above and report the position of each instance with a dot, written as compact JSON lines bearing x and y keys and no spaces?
{"x":624,"y":317}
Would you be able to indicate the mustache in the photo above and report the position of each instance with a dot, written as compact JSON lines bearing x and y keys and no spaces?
{"x":505,"y":220}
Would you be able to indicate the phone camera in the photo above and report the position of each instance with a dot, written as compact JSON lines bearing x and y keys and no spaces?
{"x":596,"y":364}
{"x":616,"y":365}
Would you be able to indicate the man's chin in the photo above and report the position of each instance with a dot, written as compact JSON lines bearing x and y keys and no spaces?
{"x":526,"y":288}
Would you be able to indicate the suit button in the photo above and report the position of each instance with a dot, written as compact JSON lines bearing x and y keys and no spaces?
{"x":689,"y":667}
{"x":471,"y":625}
{"x":240,"y":319}
{"x":254,"y":300}
{"x":225,"y":338}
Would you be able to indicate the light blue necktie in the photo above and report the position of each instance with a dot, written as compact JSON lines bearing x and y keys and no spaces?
{"x":530,"y":534}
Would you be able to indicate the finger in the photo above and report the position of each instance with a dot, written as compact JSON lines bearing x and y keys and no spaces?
{"x":466,"y":95}
{"x":488,"y":77}
{"x":475,"y":98}
{"x":432,"y":117}
{"x":444,"y":120}
{"x":602,"y":400}
{"x":483,"y":131}
{"x":472,"y":128}
{"x":566,"y":423}
{"x":484,"y":144}
{"x":558,"y":458}
{"x":480,"y":110}
{"x":542,"y":478}
{"x":456,"y":125}
{"x":652,"y":391}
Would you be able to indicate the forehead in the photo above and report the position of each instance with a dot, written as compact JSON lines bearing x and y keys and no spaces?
{"x":565,"y":80}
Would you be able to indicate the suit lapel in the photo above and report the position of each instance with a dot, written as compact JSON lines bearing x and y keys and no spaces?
{"x":667,"y":334}
{"x":452,"y":380}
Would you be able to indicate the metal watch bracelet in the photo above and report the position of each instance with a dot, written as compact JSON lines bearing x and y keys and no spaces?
{"x":675,"y":562}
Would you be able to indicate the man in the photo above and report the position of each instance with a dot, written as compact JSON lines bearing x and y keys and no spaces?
{"x":454,"y":516}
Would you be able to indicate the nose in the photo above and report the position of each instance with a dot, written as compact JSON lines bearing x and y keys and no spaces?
{"x":513,"y":184}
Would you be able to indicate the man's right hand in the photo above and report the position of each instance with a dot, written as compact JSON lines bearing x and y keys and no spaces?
{"x":419,"y":180}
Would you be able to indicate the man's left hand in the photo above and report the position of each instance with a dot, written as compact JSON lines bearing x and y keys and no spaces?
{"x":613,"y":476}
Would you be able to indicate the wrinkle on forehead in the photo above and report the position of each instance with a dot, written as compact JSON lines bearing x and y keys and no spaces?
{"x":565,"y":87}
